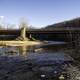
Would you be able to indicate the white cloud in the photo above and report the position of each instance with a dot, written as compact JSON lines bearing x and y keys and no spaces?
{"x":1,"y":17}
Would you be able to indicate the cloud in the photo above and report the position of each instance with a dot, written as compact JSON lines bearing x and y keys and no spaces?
{"x":1,"y":17}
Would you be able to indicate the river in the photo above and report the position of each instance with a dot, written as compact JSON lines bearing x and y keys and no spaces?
{"x":20,"y":67}
{"x":50,"y":46}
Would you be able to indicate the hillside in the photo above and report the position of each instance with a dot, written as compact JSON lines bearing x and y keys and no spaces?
{"x":66,"y":24}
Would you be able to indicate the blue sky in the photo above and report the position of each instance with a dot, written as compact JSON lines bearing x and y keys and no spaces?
{"x":39,"y":13}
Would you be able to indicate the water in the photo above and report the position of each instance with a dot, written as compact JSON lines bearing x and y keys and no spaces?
{"x":9,"y":50}
{"x":51,"y":46}
{"x":19,"y":72}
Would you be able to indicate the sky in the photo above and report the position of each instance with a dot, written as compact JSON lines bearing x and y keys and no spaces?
{"x":38,"y":13}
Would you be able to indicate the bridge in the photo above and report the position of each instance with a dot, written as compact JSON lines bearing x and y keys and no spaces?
{"x":61,"y":34}
{"x":23,"y":37}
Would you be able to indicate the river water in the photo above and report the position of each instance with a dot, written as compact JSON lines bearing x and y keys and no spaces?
{"x":52,"y":47}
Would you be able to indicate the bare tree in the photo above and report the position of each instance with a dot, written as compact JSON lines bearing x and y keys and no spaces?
{"x":23,"y":23}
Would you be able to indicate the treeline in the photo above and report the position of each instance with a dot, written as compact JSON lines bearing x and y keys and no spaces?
{"x":70,"y":23}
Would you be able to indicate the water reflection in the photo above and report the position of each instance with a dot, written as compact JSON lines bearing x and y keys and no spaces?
{"x":24,"y":50}
{"x":9,"y":50}
{"x":16,"y":50}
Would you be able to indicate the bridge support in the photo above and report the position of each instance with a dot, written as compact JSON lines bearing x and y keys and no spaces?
{"x":22,"y":36}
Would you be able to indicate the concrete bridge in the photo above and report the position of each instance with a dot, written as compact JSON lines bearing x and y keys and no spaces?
{"x":23,"y":37}
{"x":61,"y":34}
